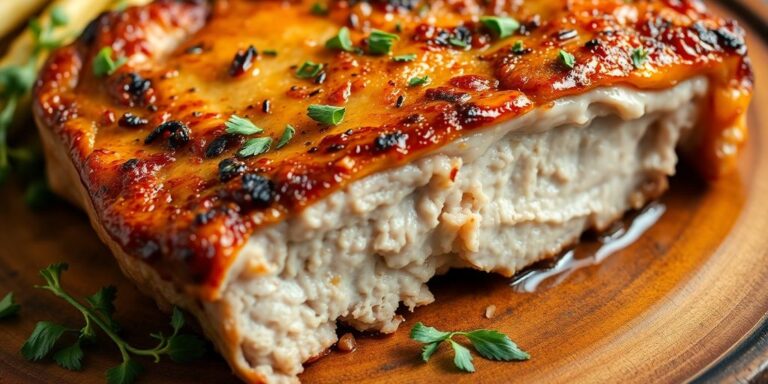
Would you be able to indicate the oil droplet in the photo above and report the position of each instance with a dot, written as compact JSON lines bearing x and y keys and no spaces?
{"x":530,"y":280}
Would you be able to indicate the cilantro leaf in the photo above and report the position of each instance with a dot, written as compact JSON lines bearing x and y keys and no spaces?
{"x":495,"y":345}
{"x":185,"y":348}
{"x":500,"y":27}
{"x":125,"y":373}
{"x":462,"y":359}
{"x":7,"y":307}
{"x":42,"y":340}
{"x":425,"y":334}
{"x":70,"y":357}
{"x":380,"y":42}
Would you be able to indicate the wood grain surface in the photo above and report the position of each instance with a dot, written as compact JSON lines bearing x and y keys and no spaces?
{"x":687,"y":301}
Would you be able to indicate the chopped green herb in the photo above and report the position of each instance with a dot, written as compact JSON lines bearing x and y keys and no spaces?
{"x":380,"y":42}
{"x":286,"y":137}
{"x":309,"y":70}
{"x":319,"y":9}
{"x":326,"y":114}
{"x":456,"y":42}
{"x":104,"y":65}
{"x":7,"y":307}
{"x":416,"y":81}
{"x":404,"y":58}
{"x":567,"y":59}
{"x":341,"y":41}
{"x":269,"y":52}
{"x":500,"y":27}
{"x":490,"y":344}
{"x":518,"y":47}
{"x":97,"y":312}
{"x":639,"y":56}
{"x":241,"y":126}
{"x":255,"y":147}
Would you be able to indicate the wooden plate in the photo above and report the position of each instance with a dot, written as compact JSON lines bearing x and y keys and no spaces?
{"x":686,"y":301}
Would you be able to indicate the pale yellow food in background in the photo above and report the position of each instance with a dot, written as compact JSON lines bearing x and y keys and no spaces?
{"x":79,"y":14}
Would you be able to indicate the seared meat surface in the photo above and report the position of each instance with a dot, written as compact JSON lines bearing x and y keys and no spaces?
{"x":571,"y":115}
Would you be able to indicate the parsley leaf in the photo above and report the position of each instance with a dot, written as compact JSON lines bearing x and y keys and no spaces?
{"x":380,"y":42}
{"x":341,"y":41}
{"x":567,"y":59}
{"x":308,"y":70}
{"x":500,"y":27}
{"x":7,"y":307}
{"x":286,"y":137}
{"x":518,"y":48}
{"x":255,"y":147}
{"x":70,"y":358}
{"x":241,"y":126}
{"x":416,"y":81}
{"x":425,"y":334}
{"x":639,"y":56}
{"x":41,"y":341}
{"x":404,"y":58}
{"x":428,"y":350}
{"x":490,"y":344}
{"x":97,"y":312}
{"x":495,"y":345}
{"x":185,"y":348}
{"x":318,"y":9}
{"x":104,"y":65}
{"x":125,"y":373}
{"x":326,"y":114}
{"x":462,"y":359}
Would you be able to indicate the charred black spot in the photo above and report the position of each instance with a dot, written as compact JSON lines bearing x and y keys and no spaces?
{"x":129,"y":120}
{"x":593,"y":43}
{"x":730,"y":40}
{"x":129,"y":165}
{"x":413,"y":119}
{"x":178,"y":133}
{"x":321,"y":78}
{"x":136,"y":85}
{"x":447,"y":94}
{"x":256,"y":190}
{"x":335,"y":147}
{"x":203,"y":218}
{"x":230,"y":168}
{"x":266,"y":106}
{"x":400,"y":101}
{"x":388,"y":140}
{"x":243,"y":61}
{"x":90,"y":31}
{"x":217,"y":146}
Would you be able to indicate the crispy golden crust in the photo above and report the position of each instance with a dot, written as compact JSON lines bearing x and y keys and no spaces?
{"x":161,"y":196}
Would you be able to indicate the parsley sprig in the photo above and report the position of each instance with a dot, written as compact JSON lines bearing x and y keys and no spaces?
{"x":490,"y":344}
{"x":8,"y":307}
{"x":97,"y":312}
